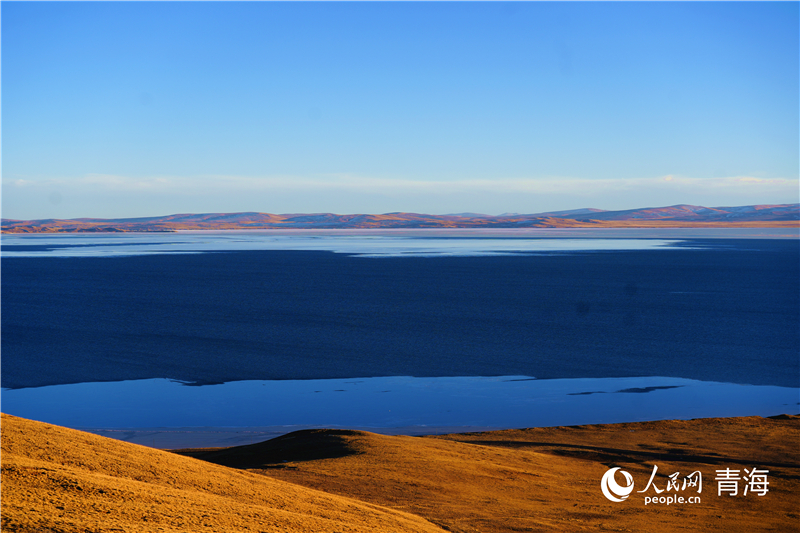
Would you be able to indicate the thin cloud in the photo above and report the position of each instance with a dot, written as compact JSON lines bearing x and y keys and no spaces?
{"x":360,"y":184}
{"x":109,"y":196}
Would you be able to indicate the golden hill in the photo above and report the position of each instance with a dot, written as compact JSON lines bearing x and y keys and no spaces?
{"x":61,"y":480}
{"x":544,"y":479}
{"x":676,"y":216}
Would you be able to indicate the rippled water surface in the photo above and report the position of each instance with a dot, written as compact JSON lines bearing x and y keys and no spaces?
{"x":278,"y":308}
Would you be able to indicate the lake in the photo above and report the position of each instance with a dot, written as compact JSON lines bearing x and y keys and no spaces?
{"x":459,"y":318}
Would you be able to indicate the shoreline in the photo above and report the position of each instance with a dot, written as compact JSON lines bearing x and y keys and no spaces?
{"x":166,"y":414}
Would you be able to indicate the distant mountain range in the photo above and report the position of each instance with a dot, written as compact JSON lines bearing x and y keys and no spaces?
{"x":676,"y":216}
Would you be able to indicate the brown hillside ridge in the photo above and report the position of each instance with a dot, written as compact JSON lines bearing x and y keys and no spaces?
{"x":544,"y":479}
{"x":61,"y":480}
{"x":676,"y":216}
{"x":547,"y":479}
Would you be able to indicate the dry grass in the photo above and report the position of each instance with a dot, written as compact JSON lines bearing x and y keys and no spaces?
{"x":61,"y":480}
{"x":544,"y":479}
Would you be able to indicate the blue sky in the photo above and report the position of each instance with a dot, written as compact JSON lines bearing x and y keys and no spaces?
{"x":125,"y":109}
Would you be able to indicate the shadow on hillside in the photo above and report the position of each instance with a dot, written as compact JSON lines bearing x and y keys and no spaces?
{"x":305,"y":445}
{"x":613,"y":455}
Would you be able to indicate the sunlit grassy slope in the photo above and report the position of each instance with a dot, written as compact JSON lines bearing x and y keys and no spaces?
{"x":61,"y":480}
{"x":546,"y":479}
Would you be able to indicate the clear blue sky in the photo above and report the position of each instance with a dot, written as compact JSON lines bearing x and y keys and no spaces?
{"x":124,"y":109}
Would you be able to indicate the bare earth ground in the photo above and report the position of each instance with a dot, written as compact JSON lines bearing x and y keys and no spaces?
{"x":545,"y":479}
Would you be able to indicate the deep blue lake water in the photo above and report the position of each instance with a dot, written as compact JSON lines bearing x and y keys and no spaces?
{"x":727,"y":311}
{"x":116,"y":308}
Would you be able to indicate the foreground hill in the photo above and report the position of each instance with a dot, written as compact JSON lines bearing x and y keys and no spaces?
{"x":546,"y":479}
{"x":785,"y":215}
{"x":61,"y":480}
